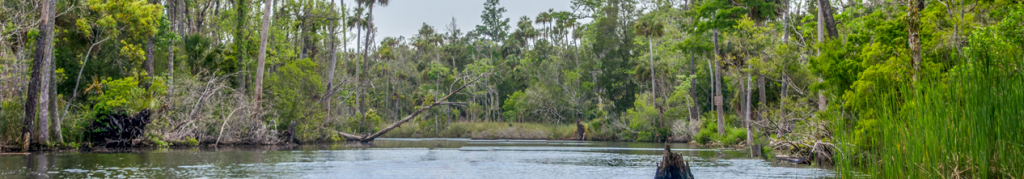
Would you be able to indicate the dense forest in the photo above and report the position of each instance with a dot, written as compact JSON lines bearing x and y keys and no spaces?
{"x":895,"y":88}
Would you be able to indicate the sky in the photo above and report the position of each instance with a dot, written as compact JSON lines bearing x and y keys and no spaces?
{"x":405,"y":17}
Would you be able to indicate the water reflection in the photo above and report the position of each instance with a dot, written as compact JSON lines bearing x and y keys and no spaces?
{"x":402,"y":158}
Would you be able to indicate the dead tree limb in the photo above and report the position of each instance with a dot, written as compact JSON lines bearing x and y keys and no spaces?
{"x":351,"y":137}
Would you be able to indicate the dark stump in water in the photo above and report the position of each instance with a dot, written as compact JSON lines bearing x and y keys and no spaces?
{"x":118,"y":129}
{"x":673,"y":166}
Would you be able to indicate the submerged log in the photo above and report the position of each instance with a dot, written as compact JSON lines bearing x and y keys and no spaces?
{"x":673,"y":166}
{"x":794,"y":159}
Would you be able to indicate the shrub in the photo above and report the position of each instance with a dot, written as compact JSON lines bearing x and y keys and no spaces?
{"x":709,"y":132}
{"x":191,"y":141}
{"x":126,"y":94}
{"x":372,"y":124}
{"x":705,"y":136}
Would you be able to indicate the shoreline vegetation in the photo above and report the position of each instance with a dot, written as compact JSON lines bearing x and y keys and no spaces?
{"x":875,"y":88}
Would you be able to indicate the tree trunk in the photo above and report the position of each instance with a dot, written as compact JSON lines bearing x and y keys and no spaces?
{"x":785,"y":21}
{"x":399,"y":123}
{"x":330,"y":69}
{"x":366,"y":49}
{"x":694,"y":108}
{"x":743,"y":98}
{"x":718,"y":83}
{"x":746,"y":115}
{"x":654,"y":95}
{"x":826,"y":20}
{"x":149,"y":57}
{"x":262,"y":56}
{"x":783,"y":95}
{"x":40,"y":77}
{"x":821,"y":22}
{"x":763,"y":96}
{"x":170,"y":68}
{"x":359,"y":68}
{"x":173,"y":17}
{"x":53,"y":105}
{"x":240,"y":52}
{"x":913,"y":25}
{"x":181,"y":20}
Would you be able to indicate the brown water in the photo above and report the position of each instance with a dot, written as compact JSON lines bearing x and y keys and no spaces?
{"x":403,"y":158}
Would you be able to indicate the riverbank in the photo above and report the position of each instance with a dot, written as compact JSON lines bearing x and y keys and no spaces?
{"x":470,"y":130}
{"x":487,"y":130}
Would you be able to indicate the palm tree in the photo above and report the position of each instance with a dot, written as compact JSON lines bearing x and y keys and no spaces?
{"x":651,"y":29}
{"x":369,"y":19}
{"x":544,"y":18}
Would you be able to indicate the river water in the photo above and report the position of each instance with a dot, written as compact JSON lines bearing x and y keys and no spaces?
{"x":403,"y":158}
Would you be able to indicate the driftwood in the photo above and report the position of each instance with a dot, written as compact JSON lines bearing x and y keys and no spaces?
{"x":673,"y":166}
{"x":804,"y":153}
{"x":371,"y":137}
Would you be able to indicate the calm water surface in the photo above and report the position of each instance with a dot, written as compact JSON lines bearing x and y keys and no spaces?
{"x":403,"y":158}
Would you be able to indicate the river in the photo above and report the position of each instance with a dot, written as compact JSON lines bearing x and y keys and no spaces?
{"x":403,"y":158}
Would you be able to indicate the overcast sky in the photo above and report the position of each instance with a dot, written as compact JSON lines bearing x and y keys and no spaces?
{"x":405,"y":17}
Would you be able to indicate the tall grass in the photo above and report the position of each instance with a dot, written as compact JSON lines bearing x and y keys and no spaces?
{"x":966,"y":122}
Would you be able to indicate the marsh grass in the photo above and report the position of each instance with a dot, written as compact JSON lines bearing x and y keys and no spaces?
{"x":967,"y":122}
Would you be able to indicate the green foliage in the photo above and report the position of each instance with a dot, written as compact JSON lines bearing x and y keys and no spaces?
{"x":191,"y":141}
{"x":11,"y":114}
{"x":709,"y":131}
{"x":643,"y":114}
{"x":717,"y":14}
{"x":963,"y":122}
{"x":126,"y":94}
{"x":157,"y":141}
{"x":294,"y":85}
{"x":372,"y":124}
{"x":510,"y":106}
{"x":203,"y":56}
{"x":493,"y":25}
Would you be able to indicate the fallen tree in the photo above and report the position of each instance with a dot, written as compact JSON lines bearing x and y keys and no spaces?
{"x":371,"y":137}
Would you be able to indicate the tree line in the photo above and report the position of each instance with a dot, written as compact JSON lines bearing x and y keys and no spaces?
{"x":726,"y":72}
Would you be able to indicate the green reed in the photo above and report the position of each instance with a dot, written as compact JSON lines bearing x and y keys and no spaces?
{"x":966,"y":122}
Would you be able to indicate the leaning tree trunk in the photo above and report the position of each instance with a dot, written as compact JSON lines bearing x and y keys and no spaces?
{"x":262,"y":56}
{"x":368,"y":138}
